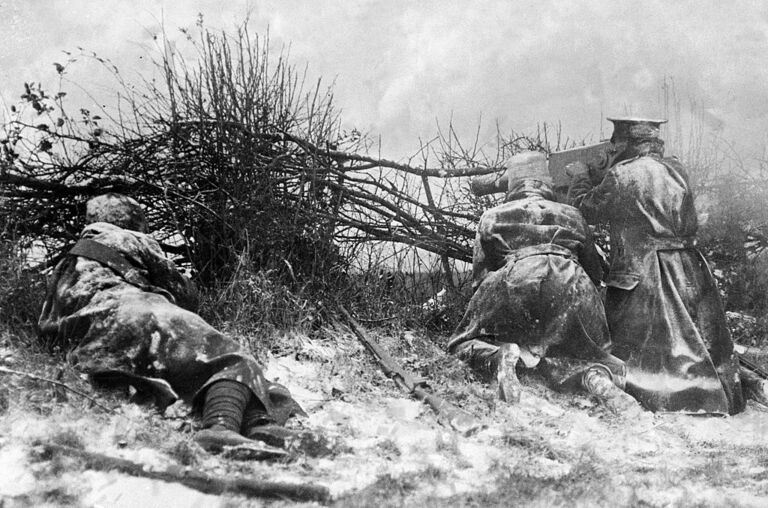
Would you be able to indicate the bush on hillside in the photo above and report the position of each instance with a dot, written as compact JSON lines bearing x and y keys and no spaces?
{"x":207,"y":151}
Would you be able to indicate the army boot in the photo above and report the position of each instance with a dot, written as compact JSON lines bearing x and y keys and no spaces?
{"x":223,"y":410}
{"x":598,"y":381}
{"x":258,"y":426}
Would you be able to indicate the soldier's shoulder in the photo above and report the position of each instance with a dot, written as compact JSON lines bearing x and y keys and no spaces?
{"x":644,"y":160}
{"x":530,"y":211}
{"x":510,"y":211}
{"x":548,"y":205}
{"x":673,"y":162}
{"x":635,"y":164}
{"x":500,"y":209}
{"x":100,"y":231}
{"x":115,"y":236}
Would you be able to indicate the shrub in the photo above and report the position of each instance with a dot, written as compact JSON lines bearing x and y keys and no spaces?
{"x":208,"y":153}
{"x":734,"y":238}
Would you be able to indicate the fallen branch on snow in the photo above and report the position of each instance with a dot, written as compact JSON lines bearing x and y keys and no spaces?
{"x":6,"y":370}
{"x":198,"y":480}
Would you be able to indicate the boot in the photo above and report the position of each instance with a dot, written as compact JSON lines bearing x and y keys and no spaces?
{"x":598,"y":381}
{"x":223,"y":409}
{"x":509,"y":388}
{"x":257,"y":425}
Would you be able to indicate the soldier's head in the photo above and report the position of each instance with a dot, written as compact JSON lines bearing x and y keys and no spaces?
{"x":634,"y":137}
{"x":528,"y":172}
{"x":116,"y":209}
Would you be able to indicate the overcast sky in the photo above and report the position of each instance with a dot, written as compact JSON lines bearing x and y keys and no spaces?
{"x":401,"y":67}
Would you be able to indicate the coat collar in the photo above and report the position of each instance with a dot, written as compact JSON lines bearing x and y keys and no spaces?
{"x":529,"y":187}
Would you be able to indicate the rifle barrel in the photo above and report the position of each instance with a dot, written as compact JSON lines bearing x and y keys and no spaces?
{"x":752,"y":366}
{"x":447,"y":414}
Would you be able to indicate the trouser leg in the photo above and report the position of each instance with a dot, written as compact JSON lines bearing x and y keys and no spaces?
{"x":224,"y":405}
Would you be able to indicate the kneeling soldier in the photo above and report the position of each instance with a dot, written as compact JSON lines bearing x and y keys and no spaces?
{"x":535,"y":269}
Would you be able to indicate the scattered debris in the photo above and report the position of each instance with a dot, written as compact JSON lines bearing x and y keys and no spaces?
{"x":95,"y":402}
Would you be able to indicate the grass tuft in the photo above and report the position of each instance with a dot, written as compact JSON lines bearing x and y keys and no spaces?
{"x":68,"y":438}
{"x":22,"y":291}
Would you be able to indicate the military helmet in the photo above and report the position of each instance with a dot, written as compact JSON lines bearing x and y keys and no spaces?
{"x":116,"y":209}
{"x":527,"y":165}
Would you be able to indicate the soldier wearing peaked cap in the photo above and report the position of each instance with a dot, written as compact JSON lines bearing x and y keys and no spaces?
{"x":662,"y":305}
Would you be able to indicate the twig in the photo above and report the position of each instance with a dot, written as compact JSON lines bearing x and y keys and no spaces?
{"x":57,"y":383}
{"x":195,"y":479}
{"x":380,"y":320}
{"x":377,"y":162}
{"x":440,"y":231}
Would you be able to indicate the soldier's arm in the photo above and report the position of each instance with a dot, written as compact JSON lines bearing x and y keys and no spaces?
{"x":590,"y":259}
{"x":489,"y":250}
{"x":479,"y":265}
{"x":164,"y":274}
{"x":593,"y":202}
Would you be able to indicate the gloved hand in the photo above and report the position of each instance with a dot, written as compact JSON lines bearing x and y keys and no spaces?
{"x":576,"y":168}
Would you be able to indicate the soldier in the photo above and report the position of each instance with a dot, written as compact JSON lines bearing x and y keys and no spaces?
{"x":128,"y":314}
{"x":662,"y":304}
{"x":534,"y":269}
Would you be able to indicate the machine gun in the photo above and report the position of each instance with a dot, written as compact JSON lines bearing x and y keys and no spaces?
{"x":598,"y":158}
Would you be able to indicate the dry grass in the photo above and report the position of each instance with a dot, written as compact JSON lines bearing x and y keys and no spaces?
{"x":22,"y":291}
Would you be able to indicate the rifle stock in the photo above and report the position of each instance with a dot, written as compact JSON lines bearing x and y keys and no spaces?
{"x":447,"y":414}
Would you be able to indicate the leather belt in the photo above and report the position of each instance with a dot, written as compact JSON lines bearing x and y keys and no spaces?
{"x":535,"y":250}
{"x":676,"y":243}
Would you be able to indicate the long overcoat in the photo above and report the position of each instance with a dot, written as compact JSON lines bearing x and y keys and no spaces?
{"x":131,"y":327}
{"x":662,"y":304}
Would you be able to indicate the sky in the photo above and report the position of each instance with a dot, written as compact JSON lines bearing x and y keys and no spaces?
{"x":401,"y":68}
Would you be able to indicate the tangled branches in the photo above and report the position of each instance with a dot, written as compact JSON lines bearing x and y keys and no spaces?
{"x":230,"y":154}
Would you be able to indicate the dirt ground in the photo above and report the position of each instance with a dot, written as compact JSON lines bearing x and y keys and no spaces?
{"x":383,"y":447}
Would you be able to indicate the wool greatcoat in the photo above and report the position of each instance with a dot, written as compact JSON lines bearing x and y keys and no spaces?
{"x":532,"y":263}
{"x":134,"y":327}
{"x":662,"y":304}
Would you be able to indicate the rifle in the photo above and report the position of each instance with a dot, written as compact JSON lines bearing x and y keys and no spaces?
{"x":454,"y":417}
{"x":751,"y":366}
